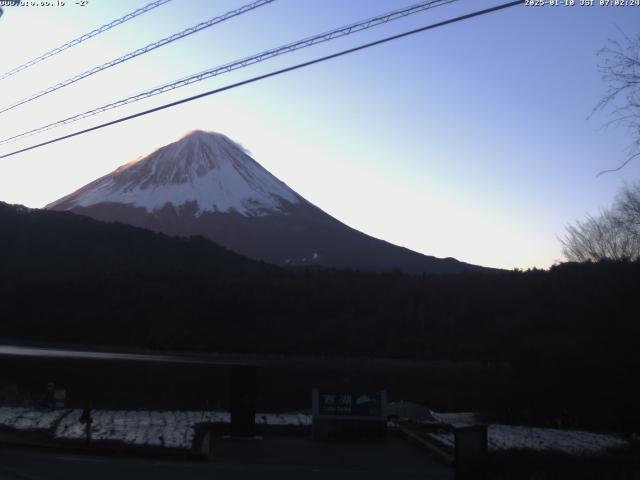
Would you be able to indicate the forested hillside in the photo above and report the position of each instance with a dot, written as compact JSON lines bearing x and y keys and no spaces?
{"x":570,"y":332}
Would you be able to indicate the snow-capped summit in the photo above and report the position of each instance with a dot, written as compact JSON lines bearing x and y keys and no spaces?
{"x":206,"y":184}
{"x":203,"y":167}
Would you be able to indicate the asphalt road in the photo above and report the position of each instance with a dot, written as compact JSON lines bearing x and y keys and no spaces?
{"x":283,"y":459}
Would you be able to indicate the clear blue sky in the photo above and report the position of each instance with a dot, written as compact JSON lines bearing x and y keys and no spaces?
{"x":470,"y":141}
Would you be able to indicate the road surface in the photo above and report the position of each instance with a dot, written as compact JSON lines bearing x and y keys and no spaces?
{"x":280,"y":458}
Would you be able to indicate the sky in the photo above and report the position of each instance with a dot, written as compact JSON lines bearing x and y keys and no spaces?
{"x":474,"y":140}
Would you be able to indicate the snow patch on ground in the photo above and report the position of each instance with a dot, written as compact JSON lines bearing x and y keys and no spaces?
{"x":134,"y":427}
{"x":410,"y":410}
{"x":288,"y":419}
{"x":151,"y":428}
{"x":26,"y":419}
{"x":458,"y":419}
{"x":159,"y":429}
{"x":572,"y":442}
{"x":172,"y":429}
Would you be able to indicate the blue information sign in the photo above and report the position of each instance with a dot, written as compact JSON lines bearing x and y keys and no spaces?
{"x":350,"y":404}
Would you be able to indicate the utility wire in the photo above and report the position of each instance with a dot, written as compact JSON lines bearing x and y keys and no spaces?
{"x":86,"y":36}
{"x":141,"y":51}
{"x":270,"y":74}
{"x":244,"y":62}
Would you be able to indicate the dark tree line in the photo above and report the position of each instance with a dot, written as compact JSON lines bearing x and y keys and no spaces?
{"x":570,"y":333}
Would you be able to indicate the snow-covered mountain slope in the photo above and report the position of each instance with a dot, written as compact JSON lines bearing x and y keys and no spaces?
{"x":206,"y":184}
{"x":206,"y":168}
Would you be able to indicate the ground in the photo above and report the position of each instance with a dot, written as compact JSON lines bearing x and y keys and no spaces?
{"x":276,"y":457}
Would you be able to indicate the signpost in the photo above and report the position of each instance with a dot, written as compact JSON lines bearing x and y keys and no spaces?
{"x":49,"y":397}
{"x":59,"y":396}
{"x":87,"y":420}
{"x":348,"y":414}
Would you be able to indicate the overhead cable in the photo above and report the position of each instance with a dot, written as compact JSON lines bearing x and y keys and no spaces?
{"x":85,"y":37}
{"x":140,"y":51}
{"x":269,"y":75}
{"x":242,"y":63}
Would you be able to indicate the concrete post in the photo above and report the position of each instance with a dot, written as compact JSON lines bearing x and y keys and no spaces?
{"x":471,"y":452}
{"x":243,"y":400}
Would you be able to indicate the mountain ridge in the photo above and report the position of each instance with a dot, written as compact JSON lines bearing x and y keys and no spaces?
{"x":207,"y":184}
{"x":63,"y":243}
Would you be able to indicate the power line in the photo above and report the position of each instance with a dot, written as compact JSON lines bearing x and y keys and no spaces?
{"x":270,"y":74}
{"x":244,"y":62}
{"x":140,"y":51}
{"x":86,"y":36}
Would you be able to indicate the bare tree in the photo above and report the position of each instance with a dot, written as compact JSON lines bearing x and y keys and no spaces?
{"x":628,"y":207}
{"x":614,"y":234}
{"x":620,"y":69}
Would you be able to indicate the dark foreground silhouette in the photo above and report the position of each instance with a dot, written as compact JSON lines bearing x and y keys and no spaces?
{"x":569,"y":335}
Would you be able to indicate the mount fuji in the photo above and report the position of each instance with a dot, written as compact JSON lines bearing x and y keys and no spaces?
{"x":206,"y":184}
